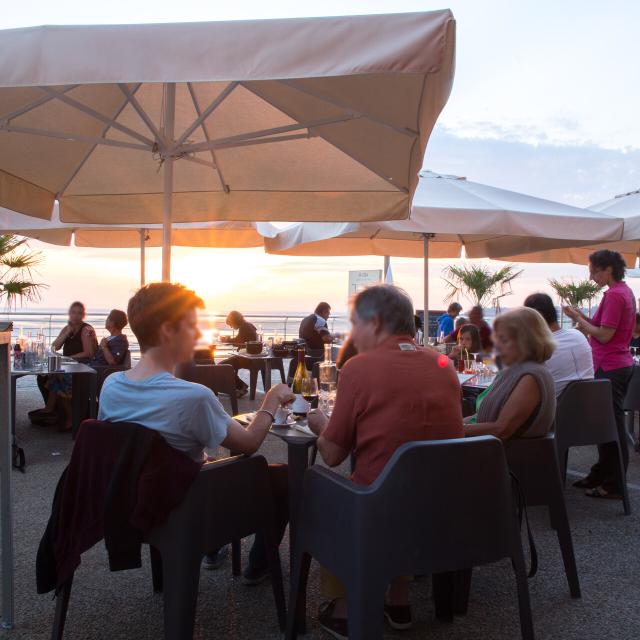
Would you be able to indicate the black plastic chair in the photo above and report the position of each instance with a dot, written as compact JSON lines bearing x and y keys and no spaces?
{"x":220,"y":378}
{"x":632,"y":404}
{"x":437,"y":507}
{"x":584,"y":416}
{"x":103,"y":372}
{"x":534,"y":462}
{"x":237,"y":487}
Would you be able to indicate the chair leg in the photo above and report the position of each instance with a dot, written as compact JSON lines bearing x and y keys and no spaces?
{"x":275,"y":570}
{"x":365,"y":599}
{"x":181,"y":577}
{"x":283,"y":377}
{"x":563,"y":459}
{"x":524,"y":602}
{"x":314,"y":455}
{"x":62,"y":604}
{"x":443,"y":589}
{"x":156,"y":569}
{"x":622,"y":479}
{"x":298,"y":596}
{"x":560,"y":520}
{"x":253,"y":382}
{"x":236,"y":557}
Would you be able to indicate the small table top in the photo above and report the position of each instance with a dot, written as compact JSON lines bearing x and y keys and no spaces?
{"x":65,"y":367}
{"x":476,"y":381}
{"x":290,"y":435}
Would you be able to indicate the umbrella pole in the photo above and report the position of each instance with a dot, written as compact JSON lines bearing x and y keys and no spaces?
{"x":387,"y":261}
{"x":425,"y":238}
{"x":142,"y":257}
{"x":169,"y":115}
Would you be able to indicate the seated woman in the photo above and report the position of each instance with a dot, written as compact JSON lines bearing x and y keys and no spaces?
{"x":521,"y":402}
{"x":77,"y":339}
{"x":468,"y":343}
{"x":112,"y":350}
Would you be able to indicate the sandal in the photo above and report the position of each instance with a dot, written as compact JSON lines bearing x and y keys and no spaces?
{"x":586,"y":483}
{"x":601,"y":492}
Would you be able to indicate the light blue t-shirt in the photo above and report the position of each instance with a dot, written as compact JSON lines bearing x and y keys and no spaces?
{"x":186,"y":414}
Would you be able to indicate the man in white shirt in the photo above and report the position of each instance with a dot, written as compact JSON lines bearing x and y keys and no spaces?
{"x":572,"y":359}
{"x":163,"y":317}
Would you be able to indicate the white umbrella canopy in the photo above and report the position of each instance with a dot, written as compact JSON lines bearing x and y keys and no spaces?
{"x":218,"y":235}
{"x":448,"y":213}
{"x":624,"y":207}
{"x":303,"y":119}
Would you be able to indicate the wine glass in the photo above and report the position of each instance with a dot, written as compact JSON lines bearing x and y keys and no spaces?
{"x":309,"y":390}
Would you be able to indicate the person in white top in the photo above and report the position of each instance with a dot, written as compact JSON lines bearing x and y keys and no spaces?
{"x":572,"y":359}
{"x":163,"y":317}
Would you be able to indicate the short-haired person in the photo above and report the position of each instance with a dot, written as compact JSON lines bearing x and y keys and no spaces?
{"x":521,"y":402}
{"x":163,"y":317}
{"x":246,"y":332}
{"x":112,"y":350}
{"x":609,"y":332}
{"x":391,"y":393}
{"x":314,"y":329}
{"x":572,"y":358}
{"x":446,"y":320}
{"x":635,"y":339}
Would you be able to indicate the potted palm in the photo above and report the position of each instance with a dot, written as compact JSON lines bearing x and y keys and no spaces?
{"x":16,"y":271}
{"x":479,"y":283}
{"x":576,"y":294}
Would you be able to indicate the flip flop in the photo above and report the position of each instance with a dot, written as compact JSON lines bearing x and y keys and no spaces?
{"x":585,"y":483}
{"x":601,"y":492}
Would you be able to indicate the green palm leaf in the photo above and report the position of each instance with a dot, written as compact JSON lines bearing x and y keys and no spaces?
{"x":477,"y":282}
{"x":16,"y":265}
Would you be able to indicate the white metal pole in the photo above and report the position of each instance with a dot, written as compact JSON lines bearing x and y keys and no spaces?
{"x":387,"y":262}
{"x":143,"y":236}
{"x":168,"y":132}
{"x":425,"y":239}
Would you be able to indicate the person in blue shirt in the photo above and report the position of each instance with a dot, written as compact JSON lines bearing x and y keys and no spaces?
{"x":445,"y":321}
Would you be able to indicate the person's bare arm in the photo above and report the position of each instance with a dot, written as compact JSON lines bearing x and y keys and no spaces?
{"x":516,"y":410}
{"x":89,"y":344}
{"x":248,"y":441}
{"x":108,"y":356}
{"x":62,"y":336}
{"x":601,"y":334}
{"x":331,"y":453}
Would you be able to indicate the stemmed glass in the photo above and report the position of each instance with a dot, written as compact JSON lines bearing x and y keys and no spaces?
{"x":634,"y":353}
{"x":309,"y":390}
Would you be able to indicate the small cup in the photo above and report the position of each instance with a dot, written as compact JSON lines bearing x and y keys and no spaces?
{"x":300,"y":405}
{"x":281,"y":416}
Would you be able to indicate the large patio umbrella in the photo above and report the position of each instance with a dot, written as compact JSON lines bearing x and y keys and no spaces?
{"x":301,"y":119}
{"x":218,"y":235}
{"x":625,"y":207}
{"x":448,"y":213}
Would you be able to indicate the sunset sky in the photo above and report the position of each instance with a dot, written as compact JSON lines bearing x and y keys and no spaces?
{"x":545,"y":101}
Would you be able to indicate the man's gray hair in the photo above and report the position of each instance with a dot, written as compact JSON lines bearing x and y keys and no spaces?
{"x":391,"y":305}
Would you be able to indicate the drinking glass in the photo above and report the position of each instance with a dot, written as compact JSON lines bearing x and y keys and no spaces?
{"x":309,"y":390}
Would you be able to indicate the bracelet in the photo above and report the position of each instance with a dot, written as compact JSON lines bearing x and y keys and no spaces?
{"x":273,"y":418}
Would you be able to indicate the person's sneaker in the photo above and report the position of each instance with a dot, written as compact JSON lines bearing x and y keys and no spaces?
{"x":254,"y":575}
{"x":398,"y":617}
{"x":337,"y":627}
{"x":215,"y":560}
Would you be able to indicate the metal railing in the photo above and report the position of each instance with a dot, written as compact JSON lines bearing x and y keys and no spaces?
{"x":283,"y":326}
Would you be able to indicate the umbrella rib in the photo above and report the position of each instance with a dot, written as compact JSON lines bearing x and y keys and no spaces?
{"x":253,"y":135}
{"x":76,"y":104}
{"x":206,"y":113}
{"x":132,"y":100}
{"x":205,"y":131}
{"x":341,"y":105}
{"x":33,"y":105}
{"x":72,"y":137}
{"x":253,"y":143}
{"x":88,"y":154}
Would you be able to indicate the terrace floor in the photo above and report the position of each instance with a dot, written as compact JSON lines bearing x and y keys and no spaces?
{"x":122,"y":605}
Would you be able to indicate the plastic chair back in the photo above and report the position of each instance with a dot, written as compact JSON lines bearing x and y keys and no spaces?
{"x":632,"y":399}
{"x":220,"y":378}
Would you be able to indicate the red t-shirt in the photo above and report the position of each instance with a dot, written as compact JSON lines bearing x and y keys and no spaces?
{"x":395,"y":394}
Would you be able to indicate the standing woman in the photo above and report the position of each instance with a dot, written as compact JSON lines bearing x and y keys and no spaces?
{"x":609,"y":333}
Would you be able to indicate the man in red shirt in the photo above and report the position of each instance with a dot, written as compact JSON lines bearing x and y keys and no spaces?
{"x":392,"y":392}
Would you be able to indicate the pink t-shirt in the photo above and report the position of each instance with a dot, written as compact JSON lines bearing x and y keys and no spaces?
{"x":618,"y":311}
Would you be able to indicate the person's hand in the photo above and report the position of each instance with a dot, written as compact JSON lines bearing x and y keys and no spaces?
{"x":455,"y":352}
{"x":317,"y":421}
{"x":571,"y":312}
{"x":103,"y":343}
{"x":278,"y":396}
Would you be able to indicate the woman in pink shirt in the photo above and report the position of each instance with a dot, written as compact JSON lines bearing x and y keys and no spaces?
{"x":609,"y":331}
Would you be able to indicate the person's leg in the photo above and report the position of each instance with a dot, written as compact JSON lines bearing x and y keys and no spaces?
{"x":236,"y":363}
{"x":608,"y":452}
{"x":257,"y":570}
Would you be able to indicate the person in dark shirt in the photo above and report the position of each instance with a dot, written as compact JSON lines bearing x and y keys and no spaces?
{"x":246,"y":332}
{"x":635,"y":338}
{"x":112,"y":350}
{"x":314,"y":329}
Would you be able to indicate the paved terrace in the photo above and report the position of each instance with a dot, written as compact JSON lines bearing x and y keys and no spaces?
{"x":122,"y":605}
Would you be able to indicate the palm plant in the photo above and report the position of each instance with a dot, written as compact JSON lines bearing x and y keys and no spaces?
{"x":477,"y":282}
{"x":574,"y":293}
{"x":16,"y":265}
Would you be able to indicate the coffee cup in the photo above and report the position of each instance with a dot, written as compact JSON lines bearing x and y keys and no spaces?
{"x":300,"y":405}
{"x":281,"y":416}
